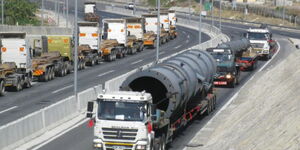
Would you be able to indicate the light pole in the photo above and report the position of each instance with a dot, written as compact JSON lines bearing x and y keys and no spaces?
{"x":200,"y":24}
{"x":58,"y":5}
{"x":76,"y":51}
{"x":212,"y":14}
{"x":133,"y":7}
{"x":189,"y":10}
{"x":283,"y":12}
{"x":220,"y":17}
{"x":2,"y":11}
{"x":42,"y":13}
{"x":158,"y":30}
{"x":67,"y":22}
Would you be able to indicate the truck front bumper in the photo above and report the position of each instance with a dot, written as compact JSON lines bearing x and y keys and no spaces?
{"x":98,"y":144}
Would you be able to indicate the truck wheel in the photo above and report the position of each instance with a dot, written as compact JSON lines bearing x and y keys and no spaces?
{"x":208,"y":111}
{"x":214,"y":102}
{"x":2,"y":88}
{"x":19,"y":85}
{"x":233,"y":83}
{"x":46,"y":76}
{"x":163,"y":144}
{"x":28,"y":82}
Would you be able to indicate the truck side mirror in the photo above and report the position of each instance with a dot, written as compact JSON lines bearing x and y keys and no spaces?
{"x":90,"y":107}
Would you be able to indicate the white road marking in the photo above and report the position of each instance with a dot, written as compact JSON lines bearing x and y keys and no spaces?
{"x":3,"y":111}
{"x":105,"y":73}
{"x":136,"y":62}
{"x":161,"y":53}
{"x":263,"y":67}
{"x":61,"y":89}
{"x":177,"y":46}
{"x":188,"y":36}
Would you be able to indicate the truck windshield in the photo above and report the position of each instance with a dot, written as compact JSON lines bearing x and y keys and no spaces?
{"x":221,"y":56}
{"x":257,"y":36}
{"x":128,"y":111}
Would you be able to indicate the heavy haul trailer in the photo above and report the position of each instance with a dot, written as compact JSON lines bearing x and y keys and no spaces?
{"x":249,"y":59}
{"x":89,"y":42}
{"x":136,"y":27}
{"x":154,"y":103}
{"x":151,"y":31}
{"x":117,"y":40}
{"x":171,"y":18}
{"x":90,"y":10}
{"x":16,"y":61}
{"x":227,"y":56}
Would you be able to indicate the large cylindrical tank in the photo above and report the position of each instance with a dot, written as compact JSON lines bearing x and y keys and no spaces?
{"x":237,"y":45}
{"x":175,"y":81}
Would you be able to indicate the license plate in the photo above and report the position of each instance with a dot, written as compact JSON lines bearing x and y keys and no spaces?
{"x":118,"y":147}
{"x":220,"y":83}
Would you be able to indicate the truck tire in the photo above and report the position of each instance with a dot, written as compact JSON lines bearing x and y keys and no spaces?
{"x":28,"y":83}
{"x":253,"y":67}
{"x":18,"y":87}
{"x":46,"y":75}
{"x":2,"y":88}
{"x":233,"y":83}
{"x":209,"y":108}
{"x":163,"y":144}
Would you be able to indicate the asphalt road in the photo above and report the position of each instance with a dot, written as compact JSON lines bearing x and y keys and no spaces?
{"x":81,"y":137}
{"x":18,"y":104}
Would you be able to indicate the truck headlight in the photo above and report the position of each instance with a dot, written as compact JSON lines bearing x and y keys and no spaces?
{"x":228,"y":76}
{"x":140,"y":147}
{"x":98,"y":145}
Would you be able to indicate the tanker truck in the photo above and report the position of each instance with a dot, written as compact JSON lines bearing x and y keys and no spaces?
{"x":152,"y":104}
{"x":227,"y":56}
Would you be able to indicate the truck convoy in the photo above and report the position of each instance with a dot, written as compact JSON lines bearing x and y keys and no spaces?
{"x":15,"y":67}
{"x":89,"y":42}
{"x":117,"y":41}
{"x":227,"y":56}
{"x":261,"y":40}
{"x":90,"y":10}
{"x":154,"y":103}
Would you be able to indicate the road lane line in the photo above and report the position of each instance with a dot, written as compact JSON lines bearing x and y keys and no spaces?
{"x":263,"y":67}
{"x":136,"y":62}
{"x":161,"y":53}
{"x":3,"y":111}
{"x":61,"y":89}
{"x":105,"y":73}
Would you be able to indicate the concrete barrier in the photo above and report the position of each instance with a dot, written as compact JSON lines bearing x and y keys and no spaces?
{"x":33,"y":125}
{"x":37,"y":30}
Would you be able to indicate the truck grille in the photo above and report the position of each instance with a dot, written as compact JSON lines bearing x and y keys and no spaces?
{"x":113,"y":147}
{"x":119,"y":134}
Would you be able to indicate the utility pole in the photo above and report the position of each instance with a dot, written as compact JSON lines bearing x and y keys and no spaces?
{"x":200,"y":24}
{"x":2,"y":11}
{"x":76,"y":51}
{"x":134,"y":7}
{"x":158,"y":30}
{"x":220,"y":17}
{"x":58,"y":5}
{"x":42,"y":12}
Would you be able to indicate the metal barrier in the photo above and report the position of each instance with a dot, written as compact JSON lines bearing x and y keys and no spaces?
{"x":33,"y":125}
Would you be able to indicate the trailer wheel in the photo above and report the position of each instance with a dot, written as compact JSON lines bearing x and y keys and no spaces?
{"x":28,"y":82}
{"x":52,"y":73}
{"x":163,"y":144}
{"x":208,"y":111}
{"x":46,"y":75}
{"x":2,"y":88}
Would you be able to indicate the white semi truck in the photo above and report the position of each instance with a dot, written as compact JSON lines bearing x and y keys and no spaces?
{"x":261,"y":40}
{"x":152,"y":104}
{"x":89,"y":36}
{"x":15,"y":51}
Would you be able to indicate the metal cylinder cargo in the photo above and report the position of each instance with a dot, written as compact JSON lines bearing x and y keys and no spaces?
{"x":237,"y":45}
{"x":175,"y":81}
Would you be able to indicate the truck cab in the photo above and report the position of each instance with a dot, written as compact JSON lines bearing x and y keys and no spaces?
{"x":261,"y":41}
{"x":15,"y":50}
{"x":122,"y":120}
{"x":227,"y":70}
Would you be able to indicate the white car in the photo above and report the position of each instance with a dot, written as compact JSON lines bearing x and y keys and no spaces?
{"x":130,"y":6}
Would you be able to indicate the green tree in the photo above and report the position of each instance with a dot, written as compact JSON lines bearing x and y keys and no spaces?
{"x":20,"y":12}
